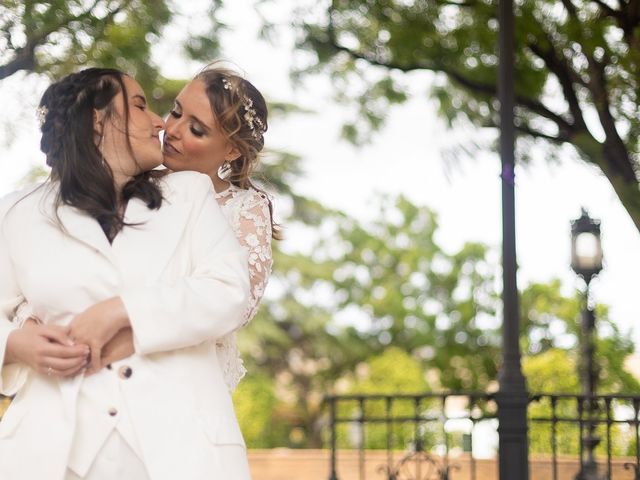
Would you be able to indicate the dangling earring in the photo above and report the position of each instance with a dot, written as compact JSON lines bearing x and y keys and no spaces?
{"x":225,"y":170}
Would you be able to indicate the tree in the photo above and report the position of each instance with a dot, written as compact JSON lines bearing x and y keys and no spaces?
{"x":391,"y":372}
{"x":577,"y":70}
{"x":368,"y":295}
{"x":363,"y":288}
{"x":555,"y":371}
{"x":56,"y":37}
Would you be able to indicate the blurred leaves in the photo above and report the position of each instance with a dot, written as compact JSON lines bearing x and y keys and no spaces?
{"x":380,"y":306}
{"x":57,"y":37}
{"x":574,"y":61}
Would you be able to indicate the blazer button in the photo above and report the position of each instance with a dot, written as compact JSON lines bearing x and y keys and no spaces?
{"x":112,"y":411}
{"x":125,"y":371}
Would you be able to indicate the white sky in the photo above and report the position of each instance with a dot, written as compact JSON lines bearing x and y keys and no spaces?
{"x":406,"y":157}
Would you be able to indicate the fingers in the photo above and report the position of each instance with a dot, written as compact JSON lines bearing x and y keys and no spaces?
{"x":63,"y":366}
{"x":72,"y":372}
{"x":96,"y":363}
{"x":57,"y":334}
{"x":60,"y":351}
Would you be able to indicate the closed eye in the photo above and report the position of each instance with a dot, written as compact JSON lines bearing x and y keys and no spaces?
{"x":196,"y":132}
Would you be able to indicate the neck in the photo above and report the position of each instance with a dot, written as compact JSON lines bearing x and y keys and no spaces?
{"x":219,"y":184}
{"x":119,"y":181}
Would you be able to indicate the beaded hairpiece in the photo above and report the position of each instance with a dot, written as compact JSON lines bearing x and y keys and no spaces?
{"x":250,"y":115}
{"x":41,"y":114}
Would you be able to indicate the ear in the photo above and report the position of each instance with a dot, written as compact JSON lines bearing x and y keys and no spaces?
{"x":98,"y":121}
{"x":232,"y":153}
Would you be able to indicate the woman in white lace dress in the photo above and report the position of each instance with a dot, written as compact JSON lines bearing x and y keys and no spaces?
{"x":217,"y":127}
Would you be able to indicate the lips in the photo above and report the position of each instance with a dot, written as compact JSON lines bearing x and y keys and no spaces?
{"x":170,"y":149}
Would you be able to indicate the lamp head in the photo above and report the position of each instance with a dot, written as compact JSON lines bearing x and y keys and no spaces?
{"x":586,"y":246}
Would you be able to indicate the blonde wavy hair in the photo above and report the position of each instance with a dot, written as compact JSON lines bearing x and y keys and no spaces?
{"x":241,"y":113}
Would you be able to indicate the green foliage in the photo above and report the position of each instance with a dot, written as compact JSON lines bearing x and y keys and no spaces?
{"x":574,"y":59}
{"x":555,"y":371}
{"x":255,"y":402}
{"x":393,"y":371}
{"x":57,"y":37}
{"x":363,"y":288}
{"x":548,"y":317}
{"x":379,"y":306}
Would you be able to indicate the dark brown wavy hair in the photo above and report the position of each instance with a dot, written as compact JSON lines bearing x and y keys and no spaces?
{"x":229,"y":95}
{"x":70,"y":144}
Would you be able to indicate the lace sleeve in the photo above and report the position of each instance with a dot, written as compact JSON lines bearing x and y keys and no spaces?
{"x":253,"y":229}
{"x":251,"y":221}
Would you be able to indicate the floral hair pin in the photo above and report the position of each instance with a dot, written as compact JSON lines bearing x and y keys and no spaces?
{"x":256,"y":125}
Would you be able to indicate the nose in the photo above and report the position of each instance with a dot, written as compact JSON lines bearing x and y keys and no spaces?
{"x":171,"y":127}
{"x":158,"y":123}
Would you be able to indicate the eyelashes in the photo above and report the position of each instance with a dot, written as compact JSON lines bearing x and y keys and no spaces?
{"x":197,"y":133}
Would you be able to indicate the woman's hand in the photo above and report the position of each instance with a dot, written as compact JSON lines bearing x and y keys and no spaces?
{"x":97,"y":325}
{"x":119,"y":347}
{"x":47,"y":349}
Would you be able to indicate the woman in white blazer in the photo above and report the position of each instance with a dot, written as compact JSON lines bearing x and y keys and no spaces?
{"x":101,"y":247}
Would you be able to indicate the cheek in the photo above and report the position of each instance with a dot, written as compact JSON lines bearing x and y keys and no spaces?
{"x":195,"y":149}
{"x":202,"y":153}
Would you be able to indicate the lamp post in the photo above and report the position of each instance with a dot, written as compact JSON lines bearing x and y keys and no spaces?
{"x":586,"y":261}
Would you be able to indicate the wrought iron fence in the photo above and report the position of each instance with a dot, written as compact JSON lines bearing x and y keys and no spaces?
{"x":603,"y":429}
{"x":453,"y":435}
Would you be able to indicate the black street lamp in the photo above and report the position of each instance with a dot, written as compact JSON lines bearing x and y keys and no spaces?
{"x":586,"y":261}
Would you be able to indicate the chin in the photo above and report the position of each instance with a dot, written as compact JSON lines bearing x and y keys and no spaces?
{"x":170,"y":164}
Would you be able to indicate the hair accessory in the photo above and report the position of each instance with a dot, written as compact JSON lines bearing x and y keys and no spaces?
{"x":41,"y":114}
{"x":256,"y":125}
{"x":252,"y":119}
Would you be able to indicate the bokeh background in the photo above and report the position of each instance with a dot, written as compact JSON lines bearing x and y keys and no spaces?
{"x":381,"y":157}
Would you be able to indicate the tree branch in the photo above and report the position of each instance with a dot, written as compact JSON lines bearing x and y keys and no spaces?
{"x":559,"y":140}
{"x":24,"y":58}
{"x":607,"y":10}
{"x":478,"y":87}
{"x":566,"y":77}
{"x":614,"y":147}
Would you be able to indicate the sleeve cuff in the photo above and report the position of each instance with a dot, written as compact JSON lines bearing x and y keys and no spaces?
{"x":12,"y":376}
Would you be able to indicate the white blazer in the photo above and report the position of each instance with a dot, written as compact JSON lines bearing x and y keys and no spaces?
{"x":184,"y":281}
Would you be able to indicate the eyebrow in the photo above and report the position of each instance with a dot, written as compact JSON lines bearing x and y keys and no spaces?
{"x":204,"y":125}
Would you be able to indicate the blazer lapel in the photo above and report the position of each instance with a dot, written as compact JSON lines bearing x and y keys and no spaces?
{"x":147,"y":243}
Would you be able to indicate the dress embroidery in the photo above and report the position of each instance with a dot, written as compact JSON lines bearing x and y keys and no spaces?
{"x":248,"y":214}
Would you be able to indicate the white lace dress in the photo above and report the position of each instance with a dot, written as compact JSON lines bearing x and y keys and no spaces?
{"x":248,"y":213}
